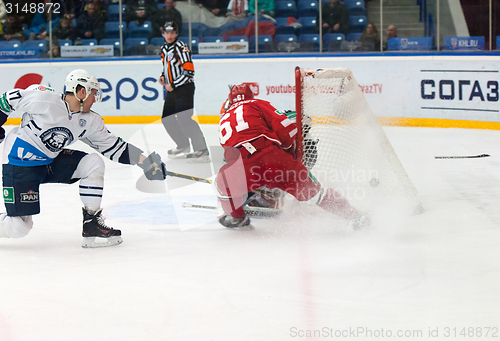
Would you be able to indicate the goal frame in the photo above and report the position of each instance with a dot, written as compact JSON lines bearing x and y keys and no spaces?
{"x":298,"y":113}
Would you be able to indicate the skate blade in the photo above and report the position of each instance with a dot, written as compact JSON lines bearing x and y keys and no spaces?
{"x":201,"y":159}
{"x":177,"y":156}
{"x":90,"y":242}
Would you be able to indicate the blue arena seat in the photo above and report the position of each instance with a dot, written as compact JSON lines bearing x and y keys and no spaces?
{"x":10,"y":44}
{"x":112,"y":29}
{"x":89,"y":42}
{"x":135,"y":46}
{"x":282,"y":26}
{"x":237,"y":38}
{"x":41,"y":44}
{"x":114,"y":12}
{"x":279,"y":38}
{"x":332,"y":41}
{"x":355,"y":7}
{"x":157,"y":41}
{"x":212,"y":39}
{"x":112,"y":41}
{"x":65,"y":42}
{"x":285,"y":8}
{"x":308,"y":25}
{"x":309,"y":42}
{"x":357,"y":23}
{"x":308,"y":8}
{"x":264,"y":44}
{"x":140,"y":31}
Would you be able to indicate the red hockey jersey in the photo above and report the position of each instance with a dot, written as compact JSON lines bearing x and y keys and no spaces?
{"x":249,"y":120}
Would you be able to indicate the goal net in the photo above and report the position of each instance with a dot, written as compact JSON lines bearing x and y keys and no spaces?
{"x":342,"y":143}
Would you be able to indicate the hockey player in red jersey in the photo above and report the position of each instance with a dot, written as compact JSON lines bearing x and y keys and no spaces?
{"x":259,"y":149}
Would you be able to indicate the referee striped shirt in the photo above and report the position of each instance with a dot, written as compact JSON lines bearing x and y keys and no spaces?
{"x":178,"y":67}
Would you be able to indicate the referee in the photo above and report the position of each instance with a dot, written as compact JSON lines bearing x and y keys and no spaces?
{"x":177,"y":78}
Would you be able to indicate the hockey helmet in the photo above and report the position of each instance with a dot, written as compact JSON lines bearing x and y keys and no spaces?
{"x":239,"y":93}
{"x":86,"y":80}
{"x":170,"y":26}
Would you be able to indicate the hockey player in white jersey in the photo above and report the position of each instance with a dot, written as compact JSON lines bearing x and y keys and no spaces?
{"x":35,"y":153}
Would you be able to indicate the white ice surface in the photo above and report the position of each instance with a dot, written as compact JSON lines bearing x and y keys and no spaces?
{"x":180,"y":276}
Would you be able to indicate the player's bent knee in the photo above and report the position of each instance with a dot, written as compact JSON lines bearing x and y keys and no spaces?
{"x":15,"y":227}
{"x":90,"y":166}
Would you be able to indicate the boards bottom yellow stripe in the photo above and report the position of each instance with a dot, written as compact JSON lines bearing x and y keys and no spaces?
{"x":385,"y":121}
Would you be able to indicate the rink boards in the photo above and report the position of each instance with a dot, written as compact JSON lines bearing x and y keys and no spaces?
{"x":429,"y":90}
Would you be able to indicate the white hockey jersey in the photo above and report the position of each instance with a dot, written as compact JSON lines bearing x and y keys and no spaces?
{"x":48,"y":126}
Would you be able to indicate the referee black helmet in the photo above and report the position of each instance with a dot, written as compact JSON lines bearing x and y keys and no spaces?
{"x":170,"y":26}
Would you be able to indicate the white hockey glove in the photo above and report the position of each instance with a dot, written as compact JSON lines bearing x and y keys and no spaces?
{"x":154,"y":168}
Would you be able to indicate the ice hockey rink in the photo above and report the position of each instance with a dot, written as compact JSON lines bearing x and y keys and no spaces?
{"x":179,"y":275}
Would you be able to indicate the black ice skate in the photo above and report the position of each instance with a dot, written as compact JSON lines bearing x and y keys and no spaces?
{"x":228,"y":221}
{"x":94,"y":227}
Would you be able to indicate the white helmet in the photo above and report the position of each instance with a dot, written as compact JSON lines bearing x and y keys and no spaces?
{"x":86,"y":80}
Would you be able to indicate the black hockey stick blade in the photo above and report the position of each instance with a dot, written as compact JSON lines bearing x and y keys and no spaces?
{"x":462,"y":157}
{"x":189,"y":177}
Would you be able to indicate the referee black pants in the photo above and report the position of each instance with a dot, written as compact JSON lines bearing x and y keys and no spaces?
{"x":177,"y":118}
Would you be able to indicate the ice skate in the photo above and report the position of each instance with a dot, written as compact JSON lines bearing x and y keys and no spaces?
{"x":94,"y":227}
{"x":358,"y":221}
{"x":177,"y":153}
{"x":200,"y":156}
{"x":231,"y":222}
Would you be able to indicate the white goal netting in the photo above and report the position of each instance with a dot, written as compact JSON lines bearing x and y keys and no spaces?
{"x":343,"y":144}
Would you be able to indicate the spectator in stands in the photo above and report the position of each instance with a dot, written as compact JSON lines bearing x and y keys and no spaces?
{"x":100,"y":7}
{"x":167,"y":13}
{"x":335,"y":16}
{"x":12,"y":29}
{"x":90,"y":25}
{"x":65,"y":30}
{"x":75,"y":8}
{"x":56,"y":50}
{"x":3,"y":13}
{"x":24,"y":17}
{"x":264,"y":7}
{"x":39,"y":29}
{"x":237,"y":9}
{"x":370,"y":37}
{"x":140,"y":11}
{"x":217,"y":7}
{"x":42,"y":18}
{"x":392,"y":32}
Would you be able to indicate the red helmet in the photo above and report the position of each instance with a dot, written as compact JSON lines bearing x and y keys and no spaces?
{"x":239,"y":93}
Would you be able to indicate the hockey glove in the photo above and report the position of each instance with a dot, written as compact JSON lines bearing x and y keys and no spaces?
{"x":154,"y":168}
{"x":2,"y":134}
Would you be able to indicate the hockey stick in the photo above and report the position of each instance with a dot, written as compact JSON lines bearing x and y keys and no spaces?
{"x":462,"y":157}
{"x":208,"y":207}
{"x":257,"y":212}
{"x":189,"y":177}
